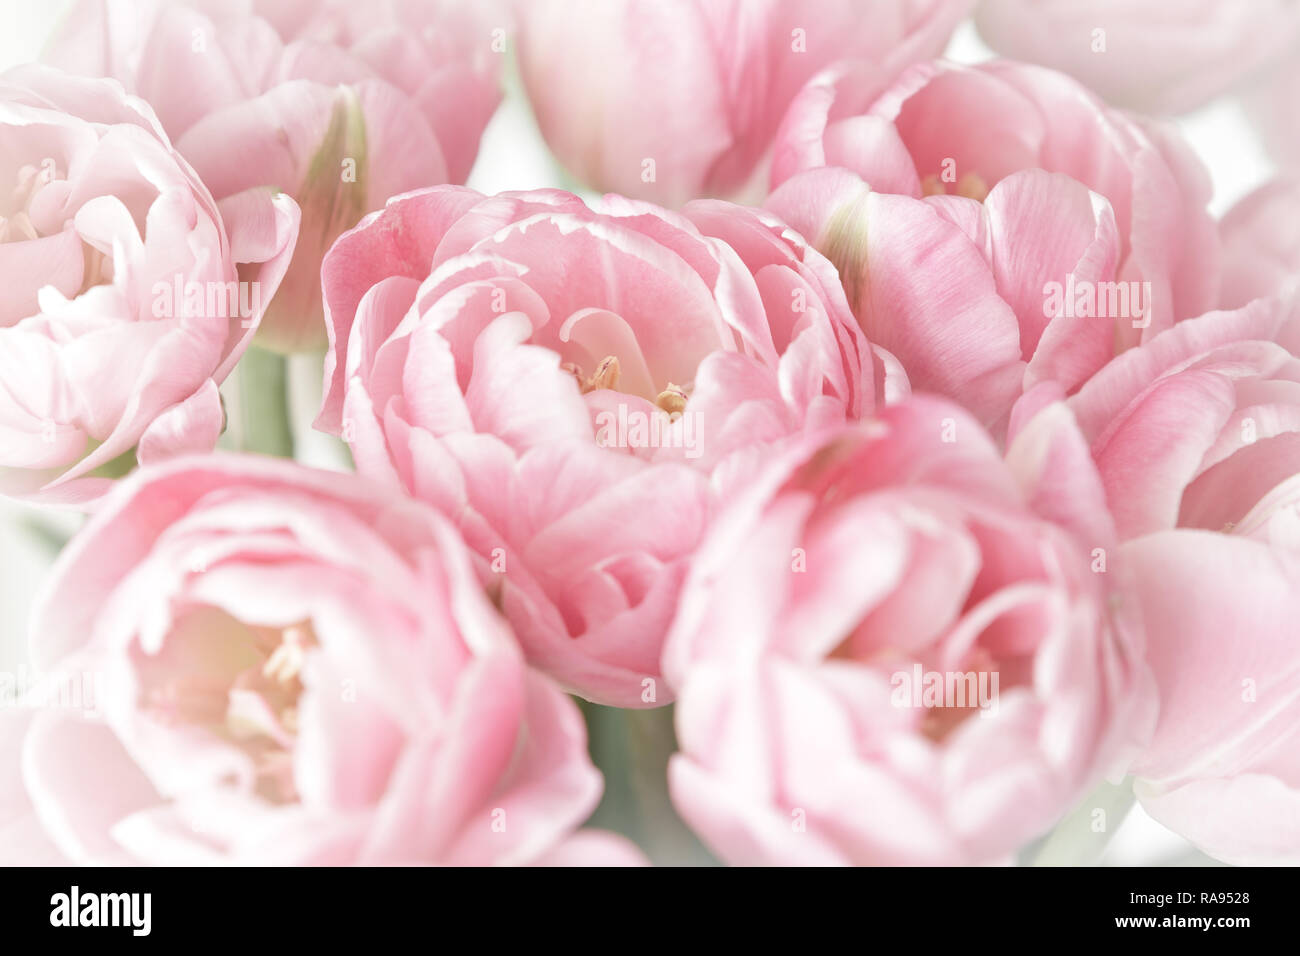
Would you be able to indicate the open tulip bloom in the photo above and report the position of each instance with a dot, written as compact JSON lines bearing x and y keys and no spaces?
{"x":611,"y":433}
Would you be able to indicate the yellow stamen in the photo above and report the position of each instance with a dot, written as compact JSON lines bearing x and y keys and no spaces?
{"x":972,"y":186}
{"x":672,"y":399}
{"x":606,"y":375}
{"x":289,"y":655}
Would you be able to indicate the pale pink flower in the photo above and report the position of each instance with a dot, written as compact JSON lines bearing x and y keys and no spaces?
{"x":1270,"y":103}
{"x":1200,"y":427}
{"x":1220,"y":614}
{"x":895,"y":648}
{"x":578,"y":386}
{"x":291,"y":668}
{"x":979,"y":301}
{"x":1196,"y":435}
{"x":957,"y":132}
{"x":339,"y":104}
{"x":1261,"y":242}
{"x":128,"y":294}
{"x":1157,"y":56}
{"x":676,"y":100}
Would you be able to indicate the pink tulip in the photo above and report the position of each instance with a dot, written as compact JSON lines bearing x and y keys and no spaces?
{"x":1220,"y":614}
{"x":291,"y":668}
{"x":128,"y":294}
{"x":675,"y":100}
{"x":895,"y":648}
{"x":1270,"y":102}
{"x":1200,"y":427}
{"x":1261,"y":242}
{"x":578,"y":386}
{"x":959,"y":132}
{"x":339,"y":104}
{"x":979,"y":301}
{"x":1157,"y":56}
{"x":1196,"y":435}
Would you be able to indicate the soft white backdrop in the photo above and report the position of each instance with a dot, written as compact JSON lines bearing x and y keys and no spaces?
{"x":513,"y":156}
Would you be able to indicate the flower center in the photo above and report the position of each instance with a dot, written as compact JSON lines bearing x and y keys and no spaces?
{"x":970,"y":185}
{"x":941,"y":699}
{"x":15,"y":220}
{"x":672,"y":399}
{"x":242,"y":683}
{"x":16,"y":223}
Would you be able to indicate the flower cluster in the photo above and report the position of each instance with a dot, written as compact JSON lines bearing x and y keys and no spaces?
{"x":901,"y":450}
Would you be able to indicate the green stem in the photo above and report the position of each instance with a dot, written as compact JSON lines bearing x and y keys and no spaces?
{"x":306,"y":386}
{"x":631,"y":748}
{"x":47,"y":532}
{"x":264,"y":403}
{"x":1080,"y":838}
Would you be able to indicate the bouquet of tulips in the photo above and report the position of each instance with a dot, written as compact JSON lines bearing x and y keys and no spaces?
{"x":598,"y":432}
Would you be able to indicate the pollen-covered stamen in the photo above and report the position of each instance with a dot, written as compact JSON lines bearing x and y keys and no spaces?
{"x":605,"y":376}
{"x":30,"y":181}
{"x":673,"y":399}
{"x":932,"y":185}
{"x":263,"y":712}
{"x":575,"y":372}
{"x":17,"y":228}
{"x":972,"y":186}
{"x":287,"y":659}
{"x":969,"y":185}
{"x":241,"y":682}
